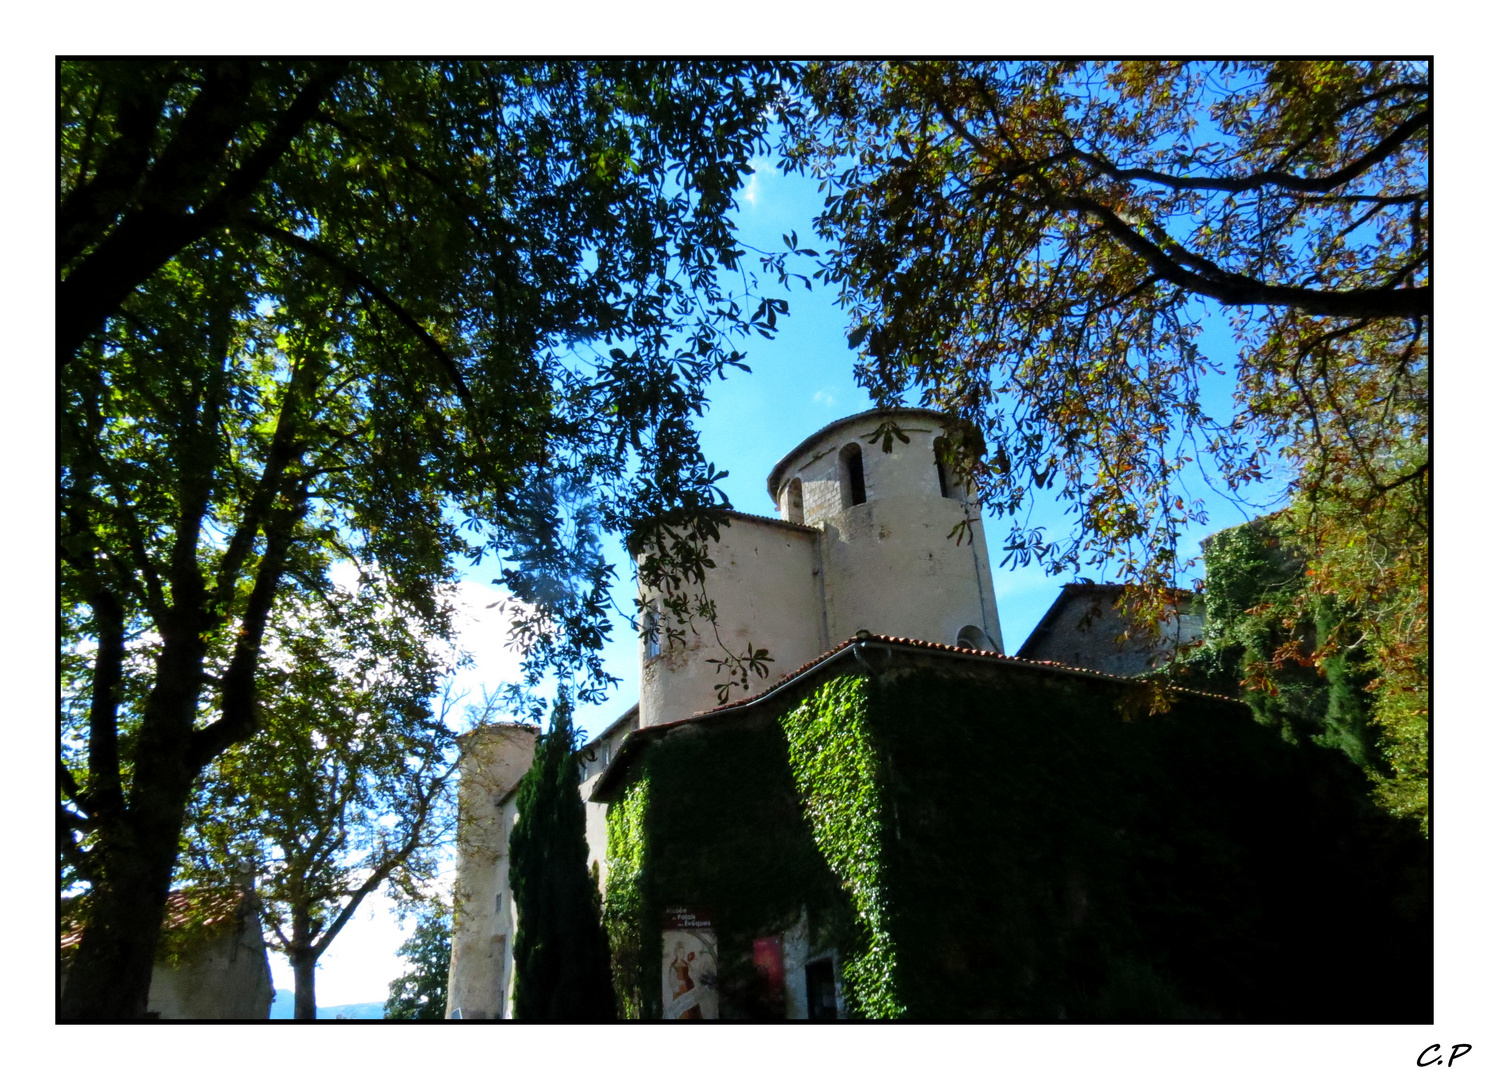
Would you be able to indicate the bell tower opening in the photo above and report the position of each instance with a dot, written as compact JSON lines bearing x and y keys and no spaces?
{"x":946,"y":471}
{"x":850,"y":475}
{"x":972,"y":637}
{"x":794,"y":511}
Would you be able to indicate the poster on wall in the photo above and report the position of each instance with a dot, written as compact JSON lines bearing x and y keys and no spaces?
{"x":690,"y":965}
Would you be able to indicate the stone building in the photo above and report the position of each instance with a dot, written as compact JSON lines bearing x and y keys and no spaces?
{"x":907,"y":821}
{"x":212,"y":962}
{"x":1084,"y":627}
{"x":864,"y":541}
{"x":495,"y":757}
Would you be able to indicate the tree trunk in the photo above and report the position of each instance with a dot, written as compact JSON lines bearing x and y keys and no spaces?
{"x":110,"y":978}
{"x":303,"y":963}
{"x":136,"y":851}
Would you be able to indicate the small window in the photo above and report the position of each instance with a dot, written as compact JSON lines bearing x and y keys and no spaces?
{"x":850,"y":475}
{"x":822,"y":991}
{"x":794,"y":510}
{"x":972,"y":637}
{"x":651,"y":634}
{"x":501,"y":976}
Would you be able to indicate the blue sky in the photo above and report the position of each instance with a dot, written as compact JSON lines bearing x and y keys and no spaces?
{"x":802,"y":380}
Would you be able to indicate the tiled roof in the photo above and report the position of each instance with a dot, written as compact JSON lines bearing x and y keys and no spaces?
{"x":198,"y":907}
{"x":773,"y":521}
{"x":884,"y":639}
{"x":654,"y":731}
{"x":619,"y":721}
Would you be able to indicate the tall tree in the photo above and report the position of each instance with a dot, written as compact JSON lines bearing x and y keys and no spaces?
{"x":345,"y":786}
{"x":1035,"y":247}
{"x":561,"y":954}
{"x":364,"y":309}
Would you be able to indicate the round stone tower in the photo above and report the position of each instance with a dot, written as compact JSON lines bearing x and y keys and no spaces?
{"x":890,"y":562}
{"x":866,"y":540}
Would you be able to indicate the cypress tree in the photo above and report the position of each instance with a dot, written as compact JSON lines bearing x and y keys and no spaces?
{"x":560,"y":951}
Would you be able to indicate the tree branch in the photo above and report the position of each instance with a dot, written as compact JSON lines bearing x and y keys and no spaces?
{"x":165,"y":220}
{"x":444,"y":363}
{"x":69,"y":785}
{"x":269,"y":488}
{"x":1228,"y":288}
{"x":239,"y":717}
{"x":91,"y":204}
{"x":1268,"y":178}
{"x":72,"y":851}
{"x":105,"y":785}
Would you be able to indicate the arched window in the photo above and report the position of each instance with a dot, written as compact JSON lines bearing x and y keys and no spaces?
{"x":972,"y":637}
{"x":946,"y":472}
{"x":794,"y":512}
{"x":850,"y":475}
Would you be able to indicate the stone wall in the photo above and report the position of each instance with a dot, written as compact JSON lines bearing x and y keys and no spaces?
{"x":496,"y":757}
{"x":892,"y":564}
{"x":226,"y":978}
{"x":1084,"y":628}
{"x":766,"y":586}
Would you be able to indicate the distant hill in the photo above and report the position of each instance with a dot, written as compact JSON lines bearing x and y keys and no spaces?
{"x":284,"y":1009}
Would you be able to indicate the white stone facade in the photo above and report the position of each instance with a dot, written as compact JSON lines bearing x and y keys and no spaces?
{"x":831,"y":566}
{"x":495,"y":758}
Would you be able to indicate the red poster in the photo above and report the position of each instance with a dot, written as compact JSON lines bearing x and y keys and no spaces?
{"x":771,"y":962}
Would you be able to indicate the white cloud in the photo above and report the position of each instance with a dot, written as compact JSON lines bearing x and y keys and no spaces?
{"x":762,"y":167}
{"x":824,"y":397}
{"x":483,"y":629}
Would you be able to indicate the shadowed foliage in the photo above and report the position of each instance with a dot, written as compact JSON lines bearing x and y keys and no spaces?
{"x":560,"y":953}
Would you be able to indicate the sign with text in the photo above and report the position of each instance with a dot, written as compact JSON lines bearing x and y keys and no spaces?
{"x":690,"y":965}
{"x":687,"y":918}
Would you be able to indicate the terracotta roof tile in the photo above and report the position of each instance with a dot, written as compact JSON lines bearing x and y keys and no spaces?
{"x":202,"y":907}
{"x":792,"y":525}
{"x":959,"y":650}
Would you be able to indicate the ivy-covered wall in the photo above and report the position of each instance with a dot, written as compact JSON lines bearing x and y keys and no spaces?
{"x":1003,"y":844}
{"x":837,"y":767}
{"x":713,"y":821}
{"x":1057,"y":854}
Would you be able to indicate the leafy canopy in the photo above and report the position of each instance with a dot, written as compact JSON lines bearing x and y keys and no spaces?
{"x":1036,"y":247}
{"x":315,"y":311}
{"x":422,"y":991}
{"x":345,"y":787}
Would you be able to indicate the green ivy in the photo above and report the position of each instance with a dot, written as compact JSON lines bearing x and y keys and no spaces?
{"x":1007,"y":845}
{"x":838,"y":772}
{"x":625,"y":852}
{"x":712,"y":820}
{"x":1255,"y":603}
